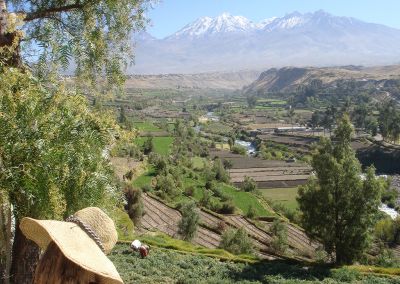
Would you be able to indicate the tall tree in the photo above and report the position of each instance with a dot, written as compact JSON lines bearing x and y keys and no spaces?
{"x":338,"y":205}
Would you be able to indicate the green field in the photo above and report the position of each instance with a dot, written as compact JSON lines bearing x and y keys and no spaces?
{"x":243,"y":200}
{"x":285,"y":196}
{"x":144,"y":179}
{"x":162,"y":145}
{"x":146,"y":126}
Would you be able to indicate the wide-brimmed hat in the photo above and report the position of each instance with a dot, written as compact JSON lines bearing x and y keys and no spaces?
{"x":84,"y":238}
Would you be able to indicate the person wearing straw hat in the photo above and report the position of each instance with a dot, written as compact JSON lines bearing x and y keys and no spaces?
{"x":74,"y":250}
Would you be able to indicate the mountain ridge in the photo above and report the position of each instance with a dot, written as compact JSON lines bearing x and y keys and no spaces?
{"x":229,"y":43}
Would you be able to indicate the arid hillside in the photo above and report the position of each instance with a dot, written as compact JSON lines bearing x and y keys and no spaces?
{"x":229,"y":81}
{"x":290,"y":78}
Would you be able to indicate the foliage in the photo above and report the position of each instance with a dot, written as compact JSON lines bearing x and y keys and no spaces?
{"x":237,"y":149}
{"x":280,"y":238}
{"x":148,"y":145}
{"x":248,"y":184}
{"x":93,"y":34}
{"x":189,"y":222}
{"x":220,"y":173}
{"x":51,"y":149}
{"x":389,"y":121}
{"x":338,"y":206}
{"x":168,"y":265}
{"x":236,"y":241}
{"x":251,"y":212}
{"x":134,"y":204}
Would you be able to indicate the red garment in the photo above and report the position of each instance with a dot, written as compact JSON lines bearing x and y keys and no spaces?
{"x":143,"y":251}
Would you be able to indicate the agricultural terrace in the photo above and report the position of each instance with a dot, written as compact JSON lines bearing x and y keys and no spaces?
{"x":284,"y":196}
{"x":162,"y":145}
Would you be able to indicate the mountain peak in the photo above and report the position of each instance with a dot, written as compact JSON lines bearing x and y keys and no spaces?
{"x":206,"y":26}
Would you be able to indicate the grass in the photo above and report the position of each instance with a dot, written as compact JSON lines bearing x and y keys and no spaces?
{"x":243,"y":200}
{"x":144,"y":179}
{"x":162,"y":145}
{"x":285,"y":196}
{"x":146,"y":126}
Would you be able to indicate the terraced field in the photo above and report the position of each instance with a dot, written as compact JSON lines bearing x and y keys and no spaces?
{"x":159,"y":216}
{"x":267,"y":173}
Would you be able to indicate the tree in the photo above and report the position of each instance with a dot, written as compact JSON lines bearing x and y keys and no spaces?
{"x":52,"y":156}
{"x":251,"y":101}
{"x":95,"y":34}
{"x":148,"y":146}
{"x":339,"y":206}
{"x":279,"y":239}
{"x":236,"y":241}
{"x":189,"y":222}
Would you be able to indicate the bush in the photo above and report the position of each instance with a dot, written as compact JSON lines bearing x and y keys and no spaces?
{"x":236,"y":241}
{"x":189,"y":222}
{"x":251,"y":212}
{"x":248,"y":185}
{"x":134,"y":204}
{"x":384,"y":230}
{"x":189,"y":191}
{"x":238,"y":150}
{"x":227,"y":208}
{"x":279,"y":239}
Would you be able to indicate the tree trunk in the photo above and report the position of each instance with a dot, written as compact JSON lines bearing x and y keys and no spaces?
{"x":24,"y":258}
{"x":6,"y":238}
{"x":9,"y":39}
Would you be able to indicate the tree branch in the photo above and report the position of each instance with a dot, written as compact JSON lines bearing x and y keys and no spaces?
{"x":52,"y":10}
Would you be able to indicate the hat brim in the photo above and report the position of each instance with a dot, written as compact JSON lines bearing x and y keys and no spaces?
{"x":74,"y":243}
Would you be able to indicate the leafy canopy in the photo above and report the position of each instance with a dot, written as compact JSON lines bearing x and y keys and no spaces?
{"x":52,"y":159}
{"x":96,"y":35}
{"x":339,"y":204}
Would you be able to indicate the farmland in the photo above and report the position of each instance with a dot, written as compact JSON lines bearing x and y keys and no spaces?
{"x":161,"y":144}
{"x":284,"y":196}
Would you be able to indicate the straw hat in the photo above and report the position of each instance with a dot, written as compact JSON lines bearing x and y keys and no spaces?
{"x":82,"y":239}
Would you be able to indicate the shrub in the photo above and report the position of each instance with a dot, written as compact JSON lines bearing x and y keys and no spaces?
{"x":147,"y":188}
{"x":279,"y":240}
{"x":206,"y":198}
{"x":384,"y":230}
{"x":251,"y":212}
{"x":238,"y":150}
{"x":189,"y":191}
{"x":248,"y":184}
{"x":236,"y":241}
{"x":189,"y":222}
{"x":227,"y":208}
{"x":148,"y":146}
{"x":134,"y":204}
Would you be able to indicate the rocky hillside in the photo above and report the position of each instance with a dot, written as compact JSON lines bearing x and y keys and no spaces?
{"x":290,"y":78}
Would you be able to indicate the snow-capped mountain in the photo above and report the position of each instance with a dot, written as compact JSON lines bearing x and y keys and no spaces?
{"x":228,"y":43}
{"x":207,"y":26}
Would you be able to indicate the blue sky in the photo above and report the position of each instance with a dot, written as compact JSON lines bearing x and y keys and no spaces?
{"x":168,"y":16}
